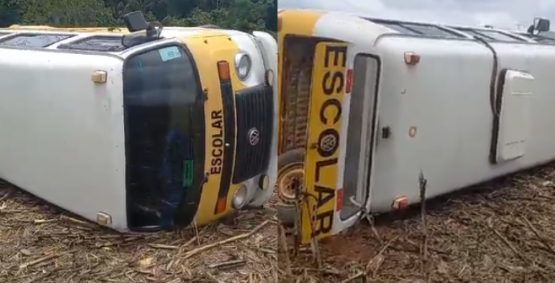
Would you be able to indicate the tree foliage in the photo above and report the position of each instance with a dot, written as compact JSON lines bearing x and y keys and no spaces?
{"x":244,"y":15}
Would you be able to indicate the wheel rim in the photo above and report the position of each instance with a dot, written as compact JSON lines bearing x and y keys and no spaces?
{"x":288,"y":179}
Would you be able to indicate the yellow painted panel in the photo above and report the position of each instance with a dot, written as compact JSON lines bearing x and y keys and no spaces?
{"x":208,"y":49}
{"x":321,"y":168}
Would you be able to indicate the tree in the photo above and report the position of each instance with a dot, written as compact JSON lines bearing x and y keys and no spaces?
{"x":64,"y":12}
{"x":10,"y":13}
{"x":244,"y":15}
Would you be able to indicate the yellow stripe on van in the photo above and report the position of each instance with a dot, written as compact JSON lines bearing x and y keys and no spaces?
{"x":321,"y":165}
{"x":298,"y":22}
{"x":30,"y":27}
{"x":208,"y":48}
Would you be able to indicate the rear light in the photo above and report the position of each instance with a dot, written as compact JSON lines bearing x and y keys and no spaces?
{"x":400,"y":203}
{"x":349,"y":84}
{"x":411,"y":58}
{"x":339,"y":200}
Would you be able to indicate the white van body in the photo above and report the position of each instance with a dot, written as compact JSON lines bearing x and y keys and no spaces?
{"x":437,"y":115}
{"x":62,"y":135}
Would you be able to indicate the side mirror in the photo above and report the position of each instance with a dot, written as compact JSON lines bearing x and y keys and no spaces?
{"x":541,"y":25}
{"x":135,"y":21}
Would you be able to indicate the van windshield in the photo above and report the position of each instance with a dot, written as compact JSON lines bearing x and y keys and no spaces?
{"x":164,"y":128}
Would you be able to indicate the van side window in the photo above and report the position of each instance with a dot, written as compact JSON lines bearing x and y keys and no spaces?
{"x":96,"y":43}
{"x":33,"y":40}
{"x":541,"y":39}
{"x":431,"y":30}
{"x":417,"y":29}
{"x":500,"y":36}
{"x":490,"y":35}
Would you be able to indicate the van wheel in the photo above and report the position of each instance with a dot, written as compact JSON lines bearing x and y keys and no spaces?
{"x":290,"y":175}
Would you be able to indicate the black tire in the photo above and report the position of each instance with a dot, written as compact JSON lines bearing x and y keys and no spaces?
{"x":290,"y":157}
{"x":287,"y":213}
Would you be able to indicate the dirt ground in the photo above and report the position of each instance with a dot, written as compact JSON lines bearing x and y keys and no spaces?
{"x":39,"y":243}
{"x":502,"y":231}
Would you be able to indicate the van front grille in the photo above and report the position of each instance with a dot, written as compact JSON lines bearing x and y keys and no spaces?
{"x":255,"y":120}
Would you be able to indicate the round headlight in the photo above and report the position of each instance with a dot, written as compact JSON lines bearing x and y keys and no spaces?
{"x":243,"y":65}
{"x":240,"y":197}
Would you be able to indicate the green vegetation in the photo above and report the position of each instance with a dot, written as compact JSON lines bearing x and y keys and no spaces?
{"x":244,"y":15}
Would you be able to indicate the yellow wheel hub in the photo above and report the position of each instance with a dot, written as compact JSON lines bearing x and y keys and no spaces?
{"x":289,"y":180}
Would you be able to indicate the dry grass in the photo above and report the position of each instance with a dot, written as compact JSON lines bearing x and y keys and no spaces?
{"x":39,"y":243}
{"x":503,"y":231}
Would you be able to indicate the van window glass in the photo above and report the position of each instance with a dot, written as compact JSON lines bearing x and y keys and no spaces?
{"x":474,"y":33}
{"x":499,"y":36}
{"x":541,"y":39}
{"x":33,"y":40}
{"x":490,"y":35}
{"x":161,"y":76}
{"x":96,"y":43}
{"x":417,"y":29}
{"x":160,"y":93}
{"x":431,"y":30}
{"x":400,"y":28}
